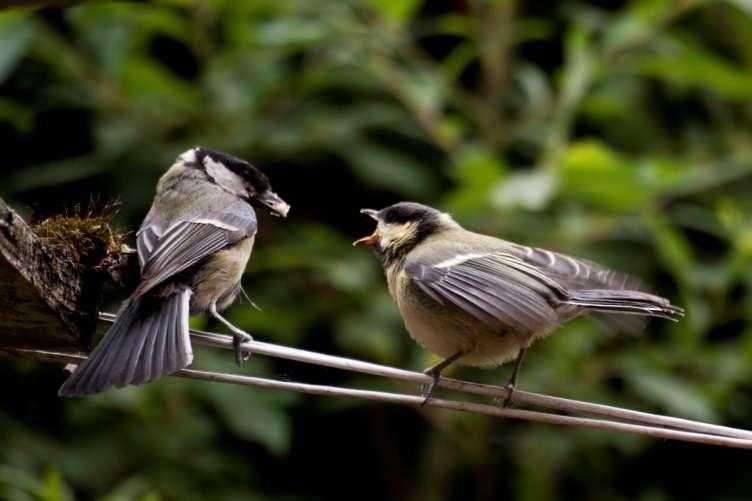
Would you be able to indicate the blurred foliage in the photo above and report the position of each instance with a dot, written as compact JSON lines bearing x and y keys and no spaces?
{"x":618,"y":131}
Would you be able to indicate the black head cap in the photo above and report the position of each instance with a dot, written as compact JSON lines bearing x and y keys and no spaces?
{"x":402,"y":226}
{"x":406,"y":212}
{"x":256,"y":188}
{"x":250,"y":174}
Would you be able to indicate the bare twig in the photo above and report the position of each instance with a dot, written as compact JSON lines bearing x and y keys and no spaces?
{"x":398,"y":398}
{"x":545,"y":401}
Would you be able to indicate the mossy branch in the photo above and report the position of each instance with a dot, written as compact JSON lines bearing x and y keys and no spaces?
{"x":52,"y":275}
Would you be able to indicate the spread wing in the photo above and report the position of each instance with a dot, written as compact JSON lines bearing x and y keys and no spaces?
{"x":499,"y":289}
{"x":163,"y":253}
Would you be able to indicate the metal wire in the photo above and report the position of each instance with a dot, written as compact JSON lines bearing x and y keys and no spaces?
{"x":520,"y":396}
{"x":612,"y":418}
{"x":399,"y":398}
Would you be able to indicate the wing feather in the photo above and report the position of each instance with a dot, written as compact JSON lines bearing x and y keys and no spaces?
{"x":574,"y":273}
{"x":498,"y":289}
{"x":185,"y":244}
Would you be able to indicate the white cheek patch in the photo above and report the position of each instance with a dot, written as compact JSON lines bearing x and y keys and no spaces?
{"x":189,"y":156}
{"x":224,"y":177}
{"x":395,"y":234}
{"x":446,"y":218}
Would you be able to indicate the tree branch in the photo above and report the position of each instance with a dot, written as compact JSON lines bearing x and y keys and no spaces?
{"x":52,"y":276}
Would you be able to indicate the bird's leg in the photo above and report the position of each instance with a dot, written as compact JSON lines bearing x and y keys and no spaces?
{"x":238,"y":336}
{"x":512,"y":382}
{"x":435,"y":373}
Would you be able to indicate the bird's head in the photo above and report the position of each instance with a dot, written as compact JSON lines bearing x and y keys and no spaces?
{"x":402,"y":226}
{"x":236,"y":176}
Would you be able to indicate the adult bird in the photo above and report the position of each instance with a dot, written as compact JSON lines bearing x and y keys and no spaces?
{"x":482,"y":301}
{"x":192,"y":248}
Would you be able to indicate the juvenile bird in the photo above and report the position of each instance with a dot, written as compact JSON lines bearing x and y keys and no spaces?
{"x":192,"y":248}
{"x":482,"y":301}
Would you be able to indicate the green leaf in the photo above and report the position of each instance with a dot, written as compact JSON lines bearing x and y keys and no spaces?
{"x":531,"y":190}
{"x":386,"y":168}
{"x":17,"y":29}
{"x":21,"y":116}
{"x":150,"y":84}
{"x":252,"y":414}
{"x":594,"y":173}
{"x":64,"y":171}
{"x":54,"y":488}
{"x":686,"y":63}
{"x":674,"y":395}
{"x":673,"y":249}
{"x":398,"y":11}
{"x":373,"y":333}
{"x":291,"y":32}
{"x":476,"y":173}
{"x":579,"y":67}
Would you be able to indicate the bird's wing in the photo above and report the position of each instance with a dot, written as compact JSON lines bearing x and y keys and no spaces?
{"x":497,"y":288}
{"x":574,"y":273}
{"x":581,"y":275}
{"x":164,"y":253}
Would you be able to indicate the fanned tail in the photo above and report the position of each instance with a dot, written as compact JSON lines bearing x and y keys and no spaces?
{"x":148,"y":340}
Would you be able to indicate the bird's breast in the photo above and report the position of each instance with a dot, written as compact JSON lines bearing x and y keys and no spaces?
{"x":444,"y":329}
{"x":218,"y":279}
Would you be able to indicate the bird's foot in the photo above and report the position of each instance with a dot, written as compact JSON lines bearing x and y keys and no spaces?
{"x":427,"y":389}
{"x":511,"y":385}
{"x":509,"y":399}
{"x":239,"y":337}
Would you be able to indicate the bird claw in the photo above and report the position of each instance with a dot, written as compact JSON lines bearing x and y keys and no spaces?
{"x":511,"y":385}
{"x":239,"y":337}
{"x":509,"y":399}
{"x":428,"y":389}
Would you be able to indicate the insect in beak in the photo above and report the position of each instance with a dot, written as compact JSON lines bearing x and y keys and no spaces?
{"x":276,"y":205}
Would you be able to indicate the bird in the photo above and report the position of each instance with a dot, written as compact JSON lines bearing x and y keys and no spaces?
{"x":192,"y":247}
{"x":482,"y":301}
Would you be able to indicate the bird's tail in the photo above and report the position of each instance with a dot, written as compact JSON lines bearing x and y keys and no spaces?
{"x":625,"y":302}
{"x":149,"y":339}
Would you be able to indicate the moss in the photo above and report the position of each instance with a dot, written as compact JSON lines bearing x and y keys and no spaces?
{"x":84,"y":236}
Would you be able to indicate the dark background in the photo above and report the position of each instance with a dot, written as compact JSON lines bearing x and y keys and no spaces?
{"x":616,"y":131}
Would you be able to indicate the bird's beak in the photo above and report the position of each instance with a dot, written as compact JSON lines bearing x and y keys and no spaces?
{"x":277,"y":206}
{"x":373,"y":238}
{"x":372,"y":213}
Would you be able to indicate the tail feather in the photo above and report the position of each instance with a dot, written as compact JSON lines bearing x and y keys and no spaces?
{"x":625,"y":302}
{"x":144,"y":343}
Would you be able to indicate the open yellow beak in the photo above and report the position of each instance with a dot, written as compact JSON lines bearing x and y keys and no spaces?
{"x":371,"y":239}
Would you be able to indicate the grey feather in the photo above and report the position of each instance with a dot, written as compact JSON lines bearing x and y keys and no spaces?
{"x":526,"y":290}
{"x":628,"y":302}
{"x":489,"y":289}
{"x":190,"y":219}
{"x":575,"y":273}
{"x":178,"y":234}
{"x":142,"y":337}
{"x":181,"y":247}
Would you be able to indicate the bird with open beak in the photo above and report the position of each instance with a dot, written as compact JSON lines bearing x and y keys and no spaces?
{"x":482,"y":301}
